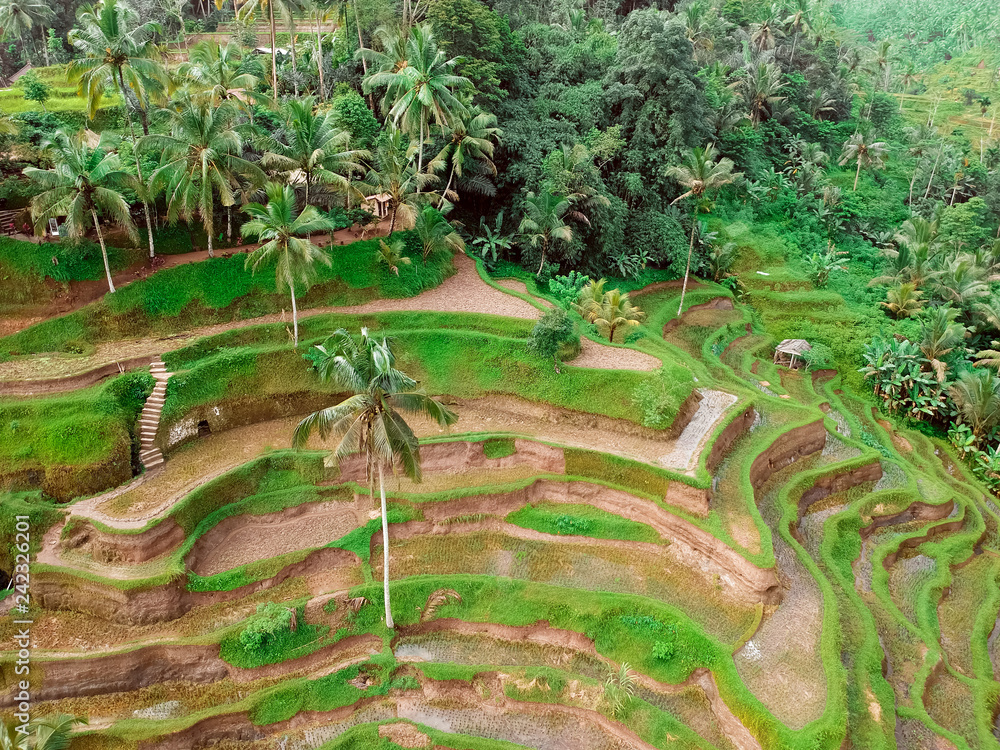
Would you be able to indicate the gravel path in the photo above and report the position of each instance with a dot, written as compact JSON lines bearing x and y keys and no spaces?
{"x":687,"y":448}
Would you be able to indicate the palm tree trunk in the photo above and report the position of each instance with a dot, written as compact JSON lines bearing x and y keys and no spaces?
{"x":104,"y":251}
{"x":229,"y":224}
{"x":933,"y":170}
{"x":295,"y":63}
{"x":307,"y":188}
{"x":45,"y":47}
{"x":448,"y":186}
{"x":208,"y":232}
{"x":319,"y":61}
{"x":684,"y":287}
{"x":542,"y":264}
{"x":857,"y":175}
{"x":420,"y":151}
{"x":274,"y":50}
{"x":915,"y":167}
{"x":392,"y":222}
{"x":361,"y":47}
{"x":138,"y":166}
{"x":385,"y":551}
{"x":295,"y":317}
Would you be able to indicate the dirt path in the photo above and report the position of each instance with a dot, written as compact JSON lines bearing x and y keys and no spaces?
{"x":462,"y":292}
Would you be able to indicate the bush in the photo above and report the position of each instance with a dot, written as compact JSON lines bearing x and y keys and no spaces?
{"x":567,"y":288}
{"x":551,"y":331}
{"x":658,"y":399}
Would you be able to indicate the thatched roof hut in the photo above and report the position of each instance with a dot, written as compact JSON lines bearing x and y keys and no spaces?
{"x":790,"y":352}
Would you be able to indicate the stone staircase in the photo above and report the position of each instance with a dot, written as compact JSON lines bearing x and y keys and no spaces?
{"x":149,"y":420}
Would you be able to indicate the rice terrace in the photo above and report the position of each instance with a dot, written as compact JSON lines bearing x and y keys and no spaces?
{"x":493,"y":374}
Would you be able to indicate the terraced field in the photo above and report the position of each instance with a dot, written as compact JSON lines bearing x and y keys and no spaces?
{"x":780,"y":567}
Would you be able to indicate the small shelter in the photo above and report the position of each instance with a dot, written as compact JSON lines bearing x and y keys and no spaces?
{"x":380,"y":203}
{"x":790,"y":352}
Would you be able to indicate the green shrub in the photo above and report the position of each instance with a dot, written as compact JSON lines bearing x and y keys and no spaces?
{"x":268,"y":639}
{"x":658,"y":398}
{"x":552,"y":331}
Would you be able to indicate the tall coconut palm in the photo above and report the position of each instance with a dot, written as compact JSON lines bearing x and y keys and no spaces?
{"x":20,"y":18}
{"x":369,"y":421}
{"x":286,"y":245}
{"x":544,"y":223}
{"x":866,"y":152}
{"x":116,"y":53}
{"x":422,"y":90}
{"x":470,"y":136}
{"x":394,"y":173}
{"x":84,"y":185}
{"x":977,"y":395}
{"x":312,"y":148}
{"x":761,"y":85}
{"x":436,"y":234}
{"x":248,"y":11}
{"x":199,"y":158}
{"x":616,"y":311}
{"x":700,"y":174}
{"x":216,"y":69}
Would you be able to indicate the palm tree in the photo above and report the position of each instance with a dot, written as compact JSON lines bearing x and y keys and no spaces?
{"x":436,"y":234}
{"x":393,"y":173}
{"x":760,"y":86}
{"x":700,"y":173}
{"x":19,"y":18}
{"x":369,"y":421}
{"x":470,"y":136}
{"x":797,"y":22}
{"x":200,"y":158}
{"x":216,"y":69}
{"x":960,"y":281}
{"x":866,"y":152}
{"x":83,"y":185}
{"x":544,"y":223}
{"x":977,"y":395}
{"x":286,"y":9}
{"x":391,"y":253}
{"x":939,"y":335}
{"x":903,"y":301}
{"x":615,"y":311}
{"x":285,"y":238}
{"x":52,"y":732}
{"x":989,"y":357}
{"x":421,"y":90}
{"x":588,"y":304}
{"x":312,"y":148}
{"x":116,"y":52}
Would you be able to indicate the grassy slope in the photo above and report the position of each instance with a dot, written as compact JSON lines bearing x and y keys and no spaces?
{"x":220,"y":290}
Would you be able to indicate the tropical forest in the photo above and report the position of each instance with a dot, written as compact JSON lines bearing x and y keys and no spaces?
{"x":500,"y":374}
